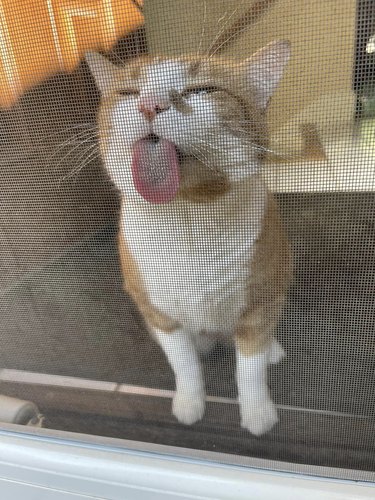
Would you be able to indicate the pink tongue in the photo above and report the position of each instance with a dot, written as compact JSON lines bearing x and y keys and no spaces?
{"x":155,"y":170}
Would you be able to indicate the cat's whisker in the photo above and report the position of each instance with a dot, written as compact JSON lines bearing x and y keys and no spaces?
{"x":221,"y":31}
{"x":94,"y":154}
{"x":235,"y":30}
{"x":269,"y":150}
{"x":223,"y":28}
{"x":208,"y":146}
{"x":40,"y":145}
{"x":72,"y":171}
{"x":252,"y":145}
{"x":206,"y":161}
{"x":243,"y":135}
{"x":93,"y":146}
{"x":224,"y":42}
{"x":203,"y":28}
{"x":201,"y":155}
{"x":71,"y":151}
{"x":85,"y":126}
{"x":91,"y":152}
{"x":86,"y":150}
{"x":222,"y":18}
{"x":211,"y":146}
{"x":243,"y":130}
{"x":68,"y":142}
{"x":244,"y":122}
{"x":208,"y":143}
{"x":73,"y":138}
{"x":246,"y":140}
{"x":222,"y":151}
{"x":217,"y":146}
{"x":116,"y":58}
{"x":82,"y":125}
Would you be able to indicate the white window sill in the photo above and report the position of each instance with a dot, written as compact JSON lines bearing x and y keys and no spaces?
{"x":42,"y":467}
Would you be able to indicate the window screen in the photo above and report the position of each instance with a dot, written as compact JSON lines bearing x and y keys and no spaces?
{"x":75,"y":344}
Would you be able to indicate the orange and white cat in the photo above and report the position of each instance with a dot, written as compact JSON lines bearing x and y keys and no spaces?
{"x":201,"y":244}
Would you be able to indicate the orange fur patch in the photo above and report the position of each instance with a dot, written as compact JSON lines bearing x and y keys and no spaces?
{"x":205,"y":191}
{"x":270,"y":273}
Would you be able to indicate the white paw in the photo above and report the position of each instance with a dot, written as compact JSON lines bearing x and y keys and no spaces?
{"x":259,"y":418}
{"x":188,"y":408}
{"x":276,"y":353}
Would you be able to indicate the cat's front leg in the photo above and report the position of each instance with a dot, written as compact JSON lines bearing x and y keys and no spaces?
{"x":189,"y":400}
{"x":258,"y":412}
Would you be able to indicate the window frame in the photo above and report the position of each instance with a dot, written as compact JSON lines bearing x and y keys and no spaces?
{"x":68,"y":465}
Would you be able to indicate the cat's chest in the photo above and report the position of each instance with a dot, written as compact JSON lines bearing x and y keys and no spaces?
{"x":194,"y":263}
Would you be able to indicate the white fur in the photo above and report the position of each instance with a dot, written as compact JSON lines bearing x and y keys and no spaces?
{"x":207,"y":249}
{"x":258,"y":413}
{"x":189,"y":400}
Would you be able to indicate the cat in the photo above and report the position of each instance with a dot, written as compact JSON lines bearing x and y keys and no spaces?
{"x":201,"y":243}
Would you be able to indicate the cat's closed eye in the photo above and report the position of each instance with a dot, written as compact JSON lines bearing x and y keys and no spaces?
{"x":128,"y":92}
{"x":201,"y":89}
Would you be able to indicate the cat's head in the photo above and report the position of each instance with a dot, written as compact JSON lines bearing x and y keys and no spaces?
{"x":169,"y":123}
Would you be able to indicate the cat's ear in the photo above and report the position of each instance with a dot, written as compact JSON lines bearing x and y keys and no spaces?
{"x":264,"y":69}
{"x":104,"y":72}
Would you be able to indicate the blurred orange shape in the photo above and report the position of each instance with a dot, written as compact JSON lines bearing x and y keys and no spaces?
{"x":40,"y":37}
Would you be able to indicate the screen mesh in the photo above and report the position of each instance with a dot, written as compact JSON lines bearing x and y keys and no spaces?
{"x":77,"y":345}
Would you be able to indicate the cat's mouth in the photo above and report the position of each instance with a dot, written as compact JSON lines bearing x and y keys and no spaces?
{"x":156,"y":168}
{"x":154,"y":138}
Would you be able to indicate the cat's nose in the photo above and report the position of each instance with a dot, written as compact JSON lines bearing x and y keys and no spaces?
{"x":152,"y":106}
